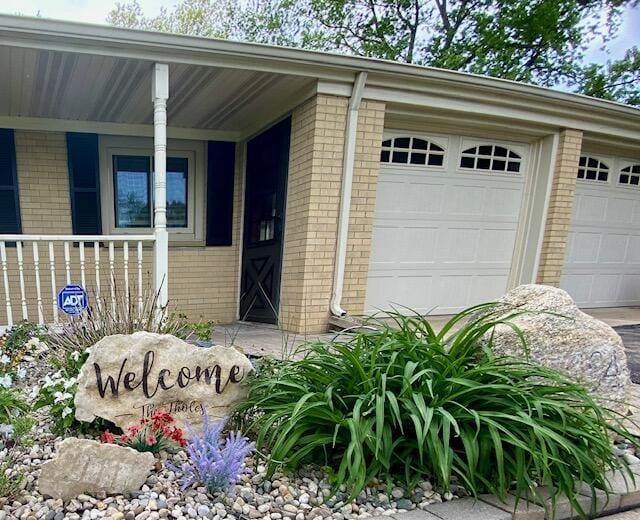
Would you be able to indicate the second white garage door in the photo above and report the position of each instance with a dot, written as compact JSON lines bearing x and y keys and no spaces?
{"x":602,"y":260}
{"x":445,"y":222}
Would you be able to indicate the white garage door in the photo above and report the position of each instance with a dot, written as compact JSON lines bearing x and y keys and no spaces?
{"x":602,"y":260}
{"x":445,"y":222}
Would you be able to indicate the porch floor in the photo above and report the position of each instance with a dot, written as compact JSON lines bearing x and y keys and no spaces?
{"x":263,"y":339}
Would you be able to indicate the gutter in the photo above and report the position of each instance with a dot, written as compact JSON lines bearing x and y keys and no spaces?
{"x":348,"y":163}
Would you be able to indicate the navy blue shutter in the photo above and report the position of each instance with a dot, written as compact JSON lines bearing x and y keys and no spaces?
{"x":220,"y":176}
{"x":84,"y":183}
{"x":9,"y":198}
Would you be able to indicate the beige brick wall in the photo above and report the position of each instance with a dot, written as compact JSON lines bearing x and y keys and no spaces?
{"x":313,"y":203}
{"x":560,"y":207}
{"x":363,"y":203}
{"x":203,"y":281}
{"x":43,"y":180}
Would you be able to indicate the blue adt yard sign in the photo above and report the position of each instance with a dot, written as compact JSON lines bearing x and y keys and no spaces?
{"x":72,"y":299}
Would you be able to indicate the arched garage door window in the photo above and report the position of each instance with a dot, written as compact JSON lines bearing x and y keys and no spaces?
{"x":630,"y":175}
{"x":592,"y":169}
{"x":412,"y":151}
{"x":491,"y":158}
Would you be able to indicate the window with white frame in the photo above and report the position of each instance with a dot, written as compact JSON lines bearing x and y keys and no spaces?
{"x":491,"y":158}
{"x":127,"y":187}
{"x":411,"y":151}
{"x":592,"y":169}
{"x":630,"y":175}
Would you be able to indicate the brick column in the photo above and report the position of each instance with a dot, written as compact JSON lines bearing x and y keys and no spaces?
{"x":313,"y":199}
{"x":560,"y":207}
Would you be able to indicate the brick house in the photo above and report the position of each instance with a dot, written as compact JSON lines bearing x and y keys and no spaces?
{"x":277,"y":185}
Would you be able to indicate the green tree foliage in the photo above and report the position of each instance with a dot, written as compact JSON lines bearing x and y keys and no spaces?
{"x":536,"y":41}
{"x":615,"y":81}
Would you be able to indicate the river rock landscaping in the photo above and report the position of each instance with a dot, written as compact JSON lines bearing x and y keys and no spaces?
{"x":383,"y":421}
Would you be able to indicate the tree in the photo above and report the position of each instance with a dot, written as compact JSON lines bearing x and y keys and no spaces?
{"x":615,"y":81}
{"x":536,"y":41}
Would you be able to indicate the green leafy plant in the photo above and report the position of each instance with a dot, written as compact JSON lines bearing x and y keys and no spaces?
{"x":22,"y":428}
{"x":59,"y":389}
{"x":11,"y":404}
{"x":404,"y":401}
{"x":10,"y":481}
{"x":203,"y":330}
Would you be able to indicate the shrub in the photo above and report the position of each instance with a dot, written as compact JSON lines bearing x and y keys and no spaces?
{"x":404,"y":401}
{"x":154,"y":435}
{"x":215,"y":462}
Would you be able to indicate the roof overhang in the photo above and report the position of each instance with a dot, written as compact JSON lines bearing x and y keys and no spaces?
{"x":404,"y":88}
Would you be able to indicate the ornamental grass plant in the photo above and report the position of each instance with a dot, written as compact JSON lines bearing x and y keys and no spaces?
{"x":404,"y":402}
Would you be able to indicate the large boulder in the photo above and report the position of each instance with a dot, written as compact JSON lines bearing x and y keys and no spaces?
{"x":561,"y":336}
{"x":89,"y":467}
{"x":128,"y":377}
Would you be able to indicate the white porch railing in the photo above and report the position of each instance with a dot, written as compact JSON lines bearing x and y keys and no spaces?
{"x":58,"y":261}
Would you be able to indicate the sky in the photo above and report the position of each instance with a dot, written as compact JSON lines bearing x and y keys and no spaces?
{"x":95,"y":11}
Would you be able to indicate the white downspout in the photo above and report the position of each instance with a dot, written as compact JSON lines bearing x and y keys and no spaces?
{"x":345,"y":194}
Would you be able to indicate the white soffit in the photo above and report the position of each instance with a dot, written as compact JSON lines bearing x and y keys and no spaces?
{"x":47,"y":84}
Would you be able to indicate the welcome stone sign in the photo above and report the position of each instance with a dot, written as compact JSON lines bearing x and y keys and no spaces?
{"x":128,"y":377}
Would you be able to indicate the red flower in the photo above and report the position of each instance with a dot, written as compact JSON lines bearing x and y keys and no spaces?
{"x":107,"y":437}
{"x":133,"y":430}
{"x":161,"y":418}
{"x":151,"y":439}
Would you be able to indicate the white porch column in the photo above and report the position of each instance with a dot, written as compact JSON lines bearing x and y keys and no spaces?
{"x":159,"y":95}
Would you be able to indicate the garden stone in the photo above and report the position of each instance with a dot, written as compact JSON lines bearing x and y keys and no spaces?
{"x":128,"y":377}
{"x":87,"y":466}
{"x":562,"y":337}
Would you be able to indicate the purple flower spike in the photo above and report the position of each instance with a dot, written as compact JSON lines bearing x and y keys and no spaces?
{"x":215,"y":462}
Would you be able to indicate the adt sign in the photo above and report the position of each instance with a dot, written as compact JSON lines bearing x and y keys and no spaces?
{"x":72,"y":299}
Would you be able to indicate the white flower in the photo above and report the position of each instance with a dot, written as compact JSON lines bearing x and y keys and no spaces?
{"x":6,"y":381}
{"x":66,"y":411}
{"x":59,"y":397}
{"x":6,"y":430}
{"x":4,"y":359}
{"x":21,"y":373}
{"x":69,"y":383}
{"x":75,"y":355}
{"x":48,"y":382}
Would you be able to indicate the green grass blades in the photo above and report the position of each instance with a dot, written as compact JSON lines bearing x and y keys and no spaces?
{"x":403,"y":402}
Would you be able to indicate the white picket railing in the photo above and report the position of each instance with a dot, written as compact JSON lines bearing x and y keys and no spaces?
{"x":43,"y":251}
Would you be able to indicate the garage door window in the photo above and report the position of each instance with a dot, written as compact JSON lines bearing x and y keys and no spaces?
{"x":630,"y":175}
{"x":411,"y":151}
{"x":591,"y":169}
{"x":491,"y":158}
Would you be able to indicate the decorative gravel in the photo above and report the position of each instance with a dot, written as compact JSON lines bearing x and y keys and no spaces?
{"x":305,"y":495}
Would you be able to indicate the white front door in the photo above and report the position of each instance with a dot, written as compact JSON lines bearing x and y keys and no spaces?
{"x":602,"y":259}
{"x":445,"y":222}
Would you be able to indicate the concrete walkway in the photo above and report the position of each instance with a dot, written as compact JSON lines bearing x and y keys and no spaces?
{"x":263,"y":339}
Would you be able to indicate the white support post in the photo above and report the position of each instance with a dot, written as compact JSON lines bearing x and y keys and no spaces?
{"x":160,"y":94}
